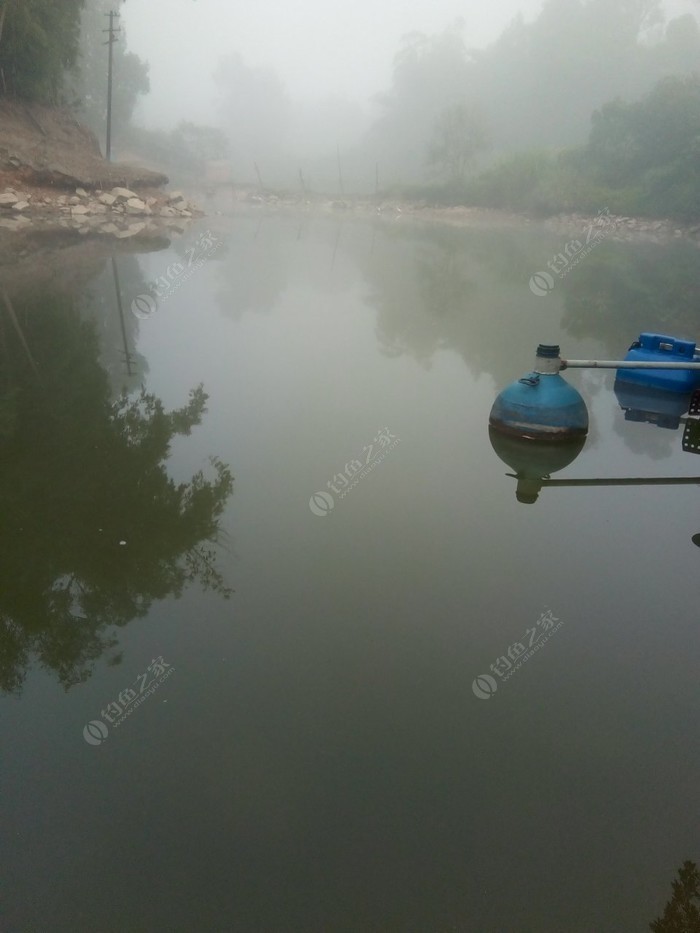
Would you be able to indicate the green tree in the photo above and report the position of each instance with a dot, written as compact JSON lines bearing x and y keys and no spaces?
{"x":540,"y":81}
{"x":460,"y":135}
{"x":39,"y":41}
{"x":431,"y":75}
{"x":682,"y":912}
{"x":653,"y":145}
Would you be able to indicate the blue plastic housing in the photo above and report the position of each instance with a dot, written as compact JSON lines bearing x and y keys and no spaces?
{"x":659,"y":348}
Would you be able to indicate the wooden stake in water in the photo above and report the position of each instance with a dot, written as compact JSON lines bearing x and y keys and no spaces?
{"x":340,"y":173}
{"x":257,"y":172}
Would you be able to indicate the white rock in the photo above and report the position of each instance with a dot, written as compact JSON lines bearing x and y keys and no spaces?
{"x":185,"y":214}
{"x":176,"y":196}
{"x":81,"y":192}
{"x":123,"y":193}
{"x":135,"y":206}
{"x":96,"y":208}
{"x":107,"y":199}
{"x":79,"y":210}
{"x":20,"y":206}
{"x":74,"y":200}
{"x":8,"y":200}
{"x":166,"y":212}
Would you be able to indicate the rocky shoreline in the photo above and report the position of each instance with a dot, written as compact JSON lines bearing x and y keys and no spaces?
{"x":122,"y":213}
{"x":618,"y":228}
{"x":118,"y":212}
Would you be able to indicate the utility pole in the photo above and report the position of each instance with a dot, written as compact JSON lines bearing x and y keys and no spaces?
{"x":111,"y":39}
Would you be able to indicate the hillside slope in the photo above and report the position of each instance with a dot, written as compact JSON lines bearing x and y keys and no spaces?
{"x":46,"y":146}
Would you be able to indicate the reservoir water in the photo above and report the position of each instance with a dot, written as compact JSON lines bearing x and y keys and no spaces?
{"x":280,"y":648}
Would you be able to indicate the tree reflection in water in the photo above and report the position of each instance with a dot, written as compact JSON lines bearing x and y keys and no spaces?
{"x":93,"y":530}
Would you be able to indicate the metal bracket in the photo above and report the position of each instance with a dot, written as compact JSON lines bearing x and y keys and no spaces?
{"x":691,"y":436}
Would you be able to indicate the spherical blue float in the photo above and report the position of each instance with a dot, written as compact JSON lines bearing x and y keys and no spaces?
{"x":541,"y":405}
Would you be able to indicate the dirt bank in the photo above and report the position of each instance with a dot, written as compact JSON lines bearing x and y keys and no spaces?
{"x":45,"y":146}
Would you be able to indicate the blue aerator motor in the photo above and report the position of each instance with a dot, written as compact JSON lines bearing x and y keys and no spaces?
{"x":658,"y":348}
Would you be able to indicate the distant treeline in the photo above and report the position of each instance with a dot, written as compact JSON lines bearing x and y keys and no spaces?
{"x":641,"y":158}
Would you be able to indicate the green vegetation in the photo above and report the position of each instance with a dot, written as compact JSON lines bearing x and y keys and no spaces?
{"x":642,"y":158}
{"x":535,"y":88}
{"x":39,"y":41}
{"x":682,"y":912}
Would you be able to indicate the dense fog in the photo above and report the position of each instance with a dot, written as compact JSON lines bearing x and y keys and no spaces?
{"x":322,"y":99}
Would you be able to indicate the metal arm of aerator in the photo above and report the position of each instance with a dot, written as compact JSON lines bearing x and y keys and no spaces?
{"x":620,"y":481}
{"x":624,"y":364}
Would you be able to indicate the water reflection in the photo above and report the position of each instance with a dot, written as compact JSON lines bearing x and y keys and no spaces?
{"x":621,"y":290}
{"x":345,"y":686}
{"x":254,"y":264}
{"x":93,"y":528}
{"x":533,"y":461}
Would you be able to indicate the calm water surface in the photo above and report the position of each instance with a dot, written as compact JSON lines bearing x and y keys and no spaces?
{"x":282,"y":728}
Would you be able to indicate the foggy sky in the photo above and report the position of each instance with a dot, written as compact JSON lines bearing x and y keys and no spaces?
{"x":319,"y":48}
